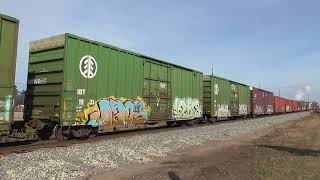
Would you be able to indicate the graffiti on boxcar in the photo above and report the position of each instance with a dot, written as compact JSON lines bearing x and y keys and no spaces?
{"x":258,"y":109}
{"x":223,"y":111}
{"x":243,"y":109}
{"x":269,"y":109}
{"x":114,"y":110}
{"x":186,"y":108}
{"x":5,"y":108}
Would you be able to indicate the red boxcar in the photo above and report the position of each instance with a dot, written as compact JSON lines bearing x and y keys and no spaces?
{"x":300,"y":106}
{"x":261,"y":102}
{"x":279,"y":105}
{"x":294,"y":106}
{"x":288,"y":106}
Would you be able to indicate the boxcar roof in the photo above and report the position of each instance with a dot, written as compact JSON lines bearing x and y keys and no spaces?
{"x":119,"y":49}
{"x":262,"y":90}
{"x":8,"y":18}
{"x":226,"y":79}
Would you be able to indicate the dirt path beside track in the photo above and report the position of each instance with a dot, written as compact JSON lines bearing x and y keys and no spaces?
{"x":286,"y":151}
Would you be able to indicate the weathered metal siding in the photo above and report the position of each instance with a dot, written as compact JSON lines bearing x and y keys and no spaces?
{"x":279,"y":104}
{"x":9,"y":28}
{"x":262,"y":102}
{"x":224,"y":98}
{"x":45,"y":79}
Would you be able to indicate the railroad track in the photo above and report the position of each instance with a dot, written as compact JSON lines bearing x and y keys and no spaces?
{"x":24,"y":147}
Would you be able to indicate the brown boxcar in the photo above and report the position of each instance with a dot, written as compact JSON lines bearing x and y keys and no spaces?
{"x":279,"y":105}
{"x":313,"y":106}
{"x":261,"y":102}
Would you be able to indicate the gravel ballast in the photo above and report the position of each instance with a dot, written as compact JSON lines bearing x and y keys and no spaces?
{"x":83,"y":160}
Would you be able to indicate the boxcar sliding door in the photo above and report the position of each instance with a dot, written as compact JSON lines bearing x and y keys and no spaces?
{"x":234,"y":99}
{"x":157,"y":90}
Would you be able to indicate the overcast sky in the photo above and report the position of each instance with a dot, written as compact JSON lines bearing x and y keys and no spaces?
{"x":274,"y":43}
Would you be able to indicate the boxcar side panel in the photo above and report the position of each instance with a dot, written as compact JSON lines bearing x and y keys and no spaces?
{"x":187,"y":94}
{"x":104,"y":86}
{"x":221,"y":98}
{"x":288,"y":106}
{"x":279,"y":105}
{"x":244,"y":100}
{"x":9,"y":28}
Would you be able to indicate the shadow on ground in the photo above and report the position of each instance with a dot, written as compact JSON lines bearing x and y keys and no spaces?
{"x":173,"y":176}
{"x":293,"y":150}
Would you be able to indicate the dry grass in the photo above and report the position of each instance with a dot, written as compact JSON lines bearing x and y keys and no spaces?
{"x":289,"y":153}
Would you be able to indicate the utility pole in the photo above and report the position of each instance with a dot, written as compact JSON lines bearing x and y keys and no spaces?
{"x":279,"y":92}
{"x":212,"y":69}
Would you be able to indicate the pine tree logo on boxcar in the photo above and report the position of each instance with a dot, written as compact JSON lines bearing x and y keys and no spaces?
{"x":88,"y":67}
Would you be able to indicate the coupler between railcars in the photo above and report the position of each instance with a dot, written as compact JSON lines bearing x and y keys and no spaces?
{"x":208,"y":118}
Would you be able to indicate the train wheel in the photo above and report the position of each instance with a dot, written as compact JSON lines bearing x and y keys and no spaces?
{"x":93,"y":133}
{"x":58,"y":133}
{"x":169,"y":123}
{"x":45,"y":133}
{"x":213,"y":120}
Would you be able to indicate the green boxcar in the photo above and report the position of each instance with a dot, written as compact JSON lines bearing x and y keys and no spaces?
{"x":73,"y":81}
{"x":9,"y":28}
{"x":223,"y":98}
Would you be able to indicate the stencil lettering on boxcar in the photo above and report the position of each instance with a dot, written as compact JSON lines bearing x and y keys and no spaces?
{"x":216,"y":89}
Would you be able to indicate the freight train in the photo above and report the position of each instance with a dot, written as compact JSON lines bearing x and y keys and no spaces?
{"x":78,"y":87}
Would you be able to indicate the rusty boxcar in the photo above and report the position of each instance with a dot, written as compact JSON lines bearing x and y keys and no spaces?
{"x":279,"y":105}
{"x":78,"y":87}
{"x":262,"y":102}
{"x":224,"y":98}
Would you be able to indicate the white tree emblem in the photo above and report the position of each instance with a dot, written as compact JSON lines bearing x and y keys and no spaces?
{"x":88,"y":67}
